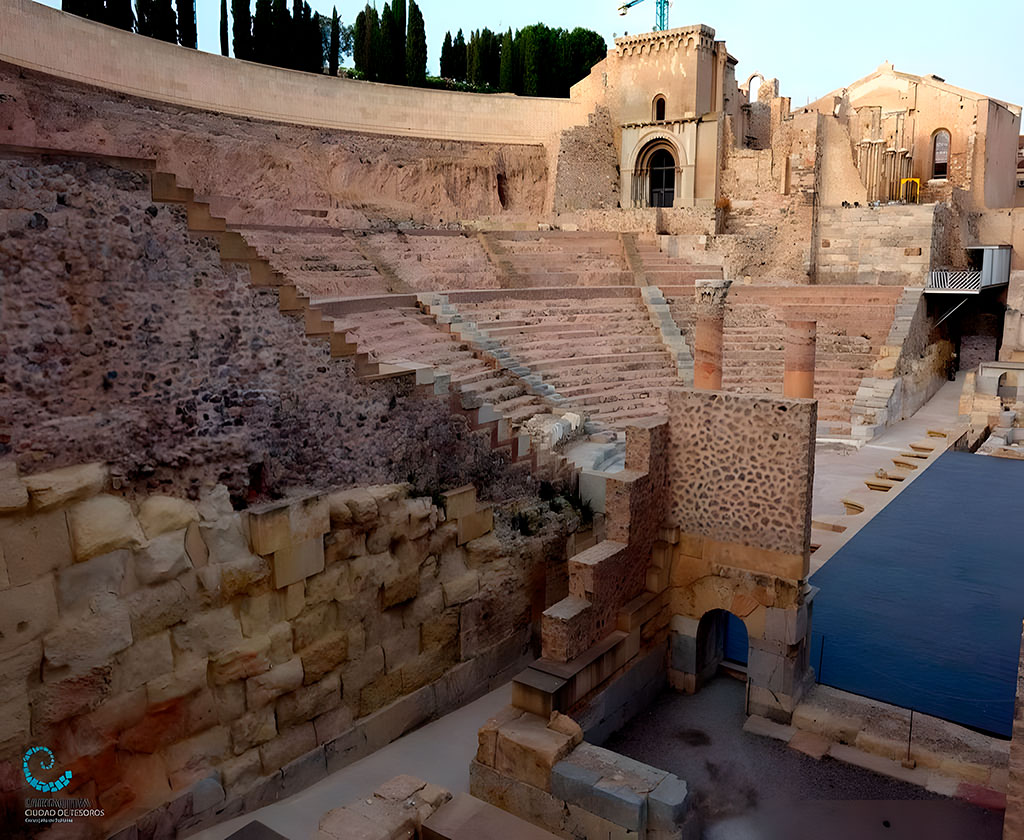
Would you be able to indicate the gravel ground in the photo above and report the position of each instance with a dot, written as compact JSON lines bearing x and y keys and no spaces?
{"x":746,"y":785}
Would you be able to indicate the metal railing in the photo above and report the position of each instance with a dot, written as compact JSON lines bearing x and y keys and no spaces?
{"x":954,"y":281}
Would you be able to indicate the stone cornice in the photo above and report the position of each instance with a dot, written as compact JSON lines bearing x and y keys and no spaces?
{"x":701,"y":34}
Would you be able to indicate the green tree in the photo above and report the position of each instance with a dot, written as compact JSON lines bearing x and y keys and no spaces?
{"x":223,"y":27}
{"x":334,"y":47}
{"x":241,"y":29}
{"x":281,"y":45}
{"x":387,"y":70}
{"x":447,"y":55}
{"x":507,"y":80}
{"x":262,"y":31}
{"x":459,"y":57}
{"x":156,"y":19}
{"x":187,"y":23}
{"x":416,"y":47}
{"x":372,"y":44}
{"x":359,"y":41}
{"x":396,"y":46}
{"x":119,"y":13}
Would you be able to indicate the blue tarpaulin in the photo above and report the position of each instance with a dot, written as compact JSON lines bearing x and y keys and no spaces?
{"x":923,"y":607}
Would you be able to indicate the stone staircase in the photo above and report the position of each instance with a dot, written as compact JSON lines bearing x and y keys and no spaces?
{"x":390,"y":327}
{"x":599,"y":356}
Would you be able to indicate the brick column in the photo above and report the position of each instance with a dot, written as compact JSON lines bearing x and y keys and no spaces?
{"x":801,"y":340}
{"x":707,"y":339}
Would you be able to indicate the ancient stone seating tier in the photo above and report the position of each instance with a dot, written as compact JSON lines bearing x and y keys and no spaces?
{"x":426,"y":260}
{"x":602,"y":354}
{"x":853,"y":325}
{"x":560,"y":258}
{"x":320,"y":262}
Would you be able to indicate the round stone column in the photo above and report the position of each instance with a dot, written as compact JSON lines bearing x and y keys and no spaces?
{"x":801,"y":341}
{"x":707,"y":336}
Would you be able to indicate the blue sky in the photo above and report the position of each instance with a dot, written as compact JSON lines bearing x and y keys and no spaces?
{"x":812,"y":47}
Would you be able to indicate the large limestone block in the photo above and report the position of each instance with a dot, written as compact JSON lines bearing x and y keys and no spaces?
{"x":102,"y":524}
{"x":353,"y":507}
{"x":253,"y":729}
{"x":288,"y":746}
{"x":209,"y":633}
{"x":309,"y":701}
{"x":154,"y":608}
{"x":62,"y":486}
{"x":26,"y":613}
{"x":261,"y":689}
{"x":188,"y":677}
{"x":160,"y":514}
{"x":74,"y":695}
{"x":527,"y":750}
{"x":163,"y":559}
{"x":248,"y":659}
{"x":298,"y":561}
{"x":84,"y":640}
{"x":13,"y":493}
{"x":145,"y":660}
{"x":33,"y":546}
{"x":324,"y":655}
{"x":276,"y":525}
{"x":77,"y":584}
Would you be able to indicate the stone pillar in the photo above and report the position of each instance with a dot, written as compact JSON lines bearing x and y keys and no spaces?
{"x":801,"y":340}
{"x":707,"y":339}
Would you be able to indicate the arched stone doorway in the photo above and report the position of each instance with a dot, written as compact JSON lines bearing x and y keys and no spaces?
{"x":656,"y":175}
{"x":722,"y":641}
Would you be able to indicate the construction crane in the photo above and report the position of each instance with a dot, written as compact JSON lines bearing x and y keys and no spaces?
{"x":660,"y":13}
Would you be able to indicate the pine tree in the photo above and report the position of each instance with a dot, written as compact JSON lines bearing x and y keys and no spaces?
{"x":459,"y":58}
{"x":335,"y":45}
{"x":187,"y":23}
{"x":507,"y":80}
{"x":119,"y":13}
{"x":447,"y":69}
{"x":416,"y":47}
{"x":241,"y":29}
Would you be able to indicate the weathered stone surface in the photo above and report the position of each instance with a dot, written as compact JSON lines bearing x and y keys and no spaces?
{"x":72,"y":696}
{"x":248,"y":659}
{"x":160,"y":514}
{"x":298,"y":561}
{"x":224,"y":539}
{"x":195,"y":546}
{"x":323,"y":587}
{"x":77,"y":584}
{"x":281,"y":648}
{"x":188,"y":677}
{"x":361,"y":506}
{"x":333,"y":724}
{"x":527,"y":750}
{"x":164,"y":558}
{"x":288,"y":746}
{"x":462,"y":588}
{"x":62,"y":486}
{"x":210,"y":632}
{"x":240,"y":772}
{"x":230,"y":701}
{"x":312,"y":623}
{"x":145,"y":660}
{"x":17,"y":667}
{"x":33,"y":546}
{"x":295,"y":599}
{"x":399,"y":583}
{"x":440,"y":632}
{"x":249,"y":575}
{"x":13,"y":493}
{"x":156,"y":608}
{"x":379,"y":692}
{"x":309,"y":701}
{"x":324,"y":655}
{"x":258,"y":613}
{"x":253,"y":729}
{"x":102,"y":524}
{"x":26,"y":613}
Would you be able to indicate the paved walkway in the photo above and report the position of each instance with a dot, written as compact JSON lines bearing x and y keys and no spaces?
{"x":836,"y":473}
{"x":439,"y":752}
{"x":749,"y":787}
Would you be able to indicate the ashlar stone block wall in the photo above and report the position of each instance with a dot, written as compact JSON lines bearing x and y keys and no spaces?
{"x":189,"y":658}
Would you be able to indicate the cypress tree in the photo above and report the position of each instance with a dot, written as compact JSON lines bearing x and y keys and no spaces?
{"x":387,"y":36}
{"x":73,"y":7}
{"x":416,"y":47}
{"x":156,"y":19}
{"x":335,"y":47}
{"x":398,"y":40}
{"x":241,"y":29}
{"x":187,"y":23}
{"x":223,"y":27}
{"x":532,"y":61}
{"x":507,"y":80}
{"x":281,"y":40}
{"x":459,"y":58}
{"x":119,"y":13}
{"x":373,"y":44}
{"x":359,"y":42}
{"x":447,"y":71}
{"x":262,"y":31}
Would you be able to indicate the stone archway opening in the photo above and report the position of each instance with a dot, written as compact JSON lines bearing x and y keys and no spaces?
{"x":723,"y":646}
{"x":656,"y":175}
